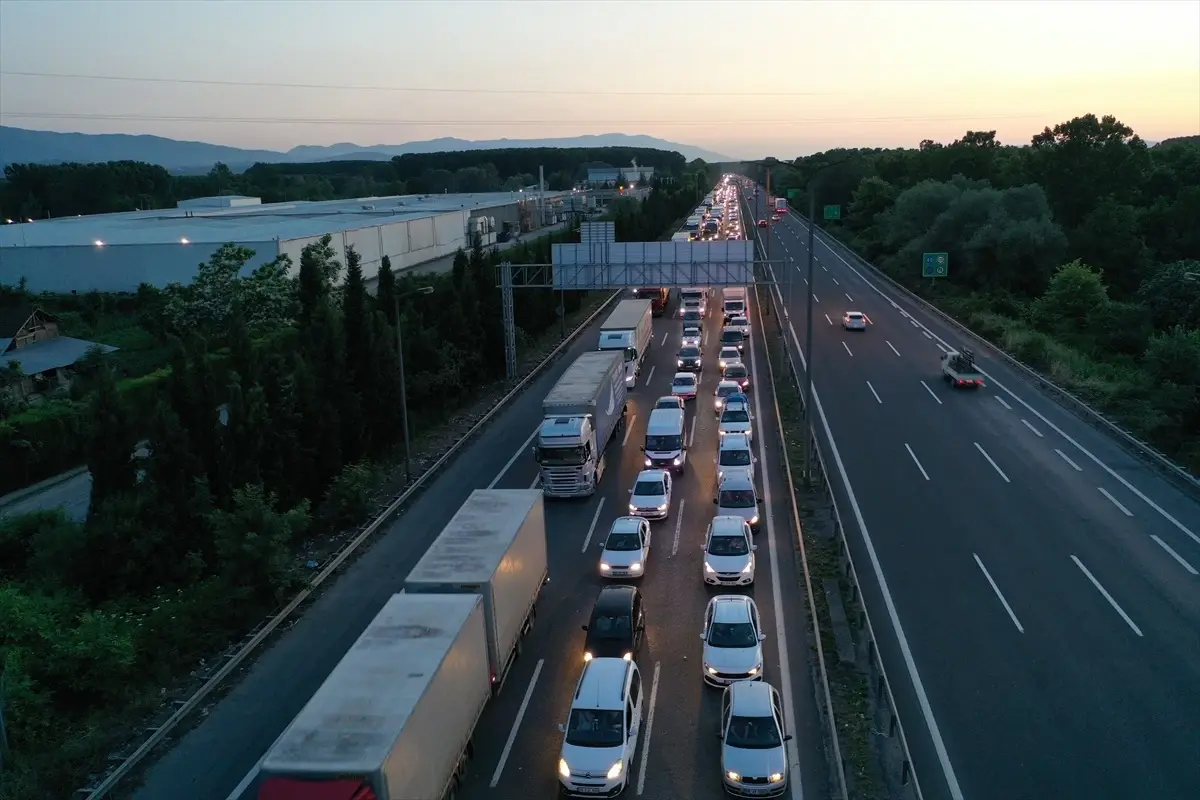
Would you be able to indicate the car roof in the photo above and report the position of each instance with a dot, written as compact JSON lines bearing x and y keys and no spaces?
{"x":668,"y":398}
{"x":602,"y":684}
{"x":731,"y":608}
{"x":735,"y":441}
{"x":739,"y":364}
{"x":651,"y":474}
{"x":614,"y":599}
{"x":626,"y":525}
{"x":728,"y":525}
{"x":854,"y":313}
{"x":730,"y":347}
{"x":689,"y":375}
{"x":688,"y":347}
{"x":737,"y":480}
{"x":730,"y":384}
{"x":751,"y":699}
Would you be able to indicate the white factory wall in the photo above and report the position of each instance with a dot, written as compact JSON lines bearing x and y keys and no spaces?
{"x":113,"y":268}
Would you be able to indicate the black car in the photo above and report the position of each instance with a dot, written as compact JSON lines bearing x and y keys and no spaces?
{"x":688,"y":359}
{"x":617,"y":624}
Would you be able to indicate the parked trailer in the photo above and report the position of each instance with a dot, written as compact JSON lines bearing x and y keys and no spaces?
{"x":629,"y":328}
{"x":580,"y":416}
{"x":394,"y":719}
{"x":494,"y":546}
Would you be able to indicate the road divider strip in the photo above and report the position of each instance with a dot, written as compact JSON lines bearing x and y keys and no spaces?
{"x":392,"y":510}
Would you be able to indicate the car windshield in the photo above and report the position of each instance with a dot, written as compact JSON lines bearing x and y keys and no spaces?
{"x":595,"y":728}
{"x":732,"y":634}
{"x":610,"y":626}
{"x":735,"y":458}
{"x":725,"y":391}
{"x":753,"y":733}
{"x":693,"y":333}
{"x":732,"y":337}
{"x":689,"y":352}
{"x":687,"y":381}
{"x":737,"y":498}
{"x":740,"y":321}
{"x":660,"y":443}
{"x":691,"y":315}
{"x":560,"y":456}
{"x":728,"y":546}
{"x":735,"y":371}
{"x":735,"y":415}
{"x":733,"y":305}
{"x":667,"y":402}
{"x":854,"y":316}
{"x":649,"y":489}
{"x":730,"y":352}
{"x":623,"y":542}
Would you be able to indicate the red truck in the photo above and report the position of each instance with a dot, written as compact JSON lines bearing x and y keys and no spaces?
{"x":658,"y":299}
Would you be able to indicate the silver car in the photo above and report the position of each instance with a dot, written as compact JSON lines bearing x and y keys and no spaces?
{"x":753,"y":741}
{"x":854,"y":321}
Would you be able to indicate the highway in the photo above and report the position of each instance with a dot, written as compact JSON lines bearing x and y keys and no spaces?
{"x":1033,"y":585}
{"x":517,"y":743}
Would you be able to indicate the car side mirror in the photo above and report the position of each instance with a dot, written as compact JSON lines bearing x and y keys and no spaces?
{"x":762,"y":637}
{"x":533,"y":451}
{"x":787,"y":738}
{"x":753,"y":547}
{"x":643,"y":449}
{"x":720,"y":735}
{"x":702,"y":636}
{"x":714,"y":501}
{"x":685,"y":447}
{"x":760,"y":501}
{"x":631,"y":491}
{"x":585,"y":627}
{"x":562,"y":728}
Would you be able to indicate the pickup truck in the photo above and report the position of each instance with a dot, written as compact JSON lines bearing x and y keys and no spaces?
{"x":958,"y":369}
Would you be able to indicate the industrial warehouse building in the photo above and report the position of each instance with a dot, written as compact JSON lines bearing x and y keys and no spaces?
{"x":118,"y":252}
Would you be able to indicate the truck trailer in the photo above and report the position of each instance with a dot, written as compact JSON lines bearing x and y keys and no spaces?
{"x":495,"y":547}
{"x":629,"y":328}
{"x":580,"y":416}
{"x":394,"y":719}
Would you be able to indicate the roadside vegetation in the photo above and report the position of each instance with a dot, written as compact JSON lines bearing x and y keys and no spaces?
{"x":1079,"y":254}
{"x":272,"y":423}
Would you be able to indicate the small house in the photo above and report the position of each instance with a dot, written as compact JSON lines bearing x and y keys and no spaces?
{"x":29,"y":340}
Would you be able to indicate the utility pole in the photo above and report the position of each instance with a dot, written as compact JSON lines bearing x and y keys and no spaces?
{"x":808,"y":342}
{"x":403,"y":391}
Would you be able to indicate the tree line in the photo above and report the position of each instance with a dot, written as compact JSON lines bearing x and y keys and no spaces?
{"x":39,"y":191}
{"x":1078,"y":253}
{"x":268,"y":428}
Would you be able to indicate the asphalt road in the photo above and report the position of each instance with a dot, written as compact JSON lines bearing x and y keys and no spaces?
{"x":217,"y":759}
{"x":1034,"y":586}
{"x":72,"y":494}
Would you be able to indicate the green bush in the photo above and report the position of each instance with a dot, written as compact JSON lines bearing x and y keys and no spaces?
{"x":41,"y":442}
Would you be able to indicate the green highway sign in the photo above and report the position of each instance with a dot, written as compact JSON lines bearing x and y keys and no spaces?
{"x":833,"y":212}
{"x":935,"y":265}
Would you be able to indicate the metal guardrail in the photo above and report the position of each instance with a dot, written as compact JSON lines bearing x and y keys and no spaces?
{"x":393,"y":509}
{"x":1131,"y":443}
{"x":837,"y":765}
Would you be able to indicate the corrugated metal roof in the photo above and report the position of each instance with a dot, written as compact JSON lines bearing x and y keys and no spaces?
{"x":257,"y":223}
{"x":62,"y":351}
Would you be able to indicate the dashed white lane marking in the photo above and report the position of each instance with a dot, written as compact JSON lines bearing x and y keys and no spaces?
{"x":1107,"y":596}
{"x":847,"y":349}
{"x":894,"y":350}
{"x":931,"y":393}
{"x":678,"y":526}
{"x":872,"y":388}
{"x":664,"y":338}
{"x":628,"y":429}
{"x":815,"y":298}
{"x":827,"y":319}
{"x":587,"y":540}
{"x":1115,"y":501}
{"x":1067,"y":459}
{"x":996,"y":467}
{"x":1174,"y":555}
{"x":1036,"y":432}
{"x":650,"y":374}
{"x":641,"y":784}
{"x":999,"y":594}
{"x":1002,"y":402}
{"x":848,"y":297}
{"x":916,"y":461}
{"x":926,"y":334}
{"x":835,"y":282}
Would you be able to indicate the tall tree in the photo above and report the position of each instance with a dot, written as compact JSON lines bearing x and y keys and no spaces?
{"x":385,"y":292}
{"x":112,"y":437}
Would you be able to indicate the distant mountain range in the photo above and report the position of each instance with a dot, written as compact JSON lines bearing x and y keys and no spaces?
{"x":22,"y":146}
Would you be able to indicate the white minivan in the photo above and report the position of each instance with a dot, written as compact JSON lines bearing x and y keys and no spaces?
{"x":601,"y":734}
{"x":665,"y":447}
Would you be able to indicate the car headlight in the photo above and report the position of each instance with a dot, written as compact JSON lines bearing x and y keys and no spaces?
{"x":563,"y":769}
{"x":754,"y":520}
{"x":615,"y":770}
{"x":587,"y":656}
{"x":635,"y":566}
{"x":711,"y":671}
{"x":755,"y":670}
{"x":678,"y":461}
{"x":708,"y":568}
{"x":662,"y":507}
{"x":775,"y":777}
{"x":719,"y":403}
{"x":647,"y":462}
{"x":746,"y":570}
{"x":733,"y":776}
{"x":632,"y":508}
{"x":679,"y":362}
{"x":604,"y":567}
{"x":627,"y":657}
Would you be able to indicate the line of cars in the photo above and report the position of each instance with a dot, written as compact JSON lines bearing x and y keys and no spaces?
{"x":716,"y":218}
{"x":753,"y":731}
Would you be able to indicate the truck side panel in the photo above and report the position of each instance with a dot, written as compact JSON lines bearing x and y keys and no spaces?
{"x":606,"y":423}
{"x":518,"y":580}
{"x":441,"y":724}
{"x":583,"y":388}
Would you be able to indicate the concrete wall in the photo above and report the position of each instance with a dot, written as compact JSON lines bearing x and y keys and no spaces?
{"x":112,"y":268}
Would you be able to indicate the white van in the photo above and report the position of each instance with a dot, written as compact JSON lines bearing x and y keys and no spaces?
{"x":601,"y":735}
{"x":665,"y":448}
{"x":733,"y":302}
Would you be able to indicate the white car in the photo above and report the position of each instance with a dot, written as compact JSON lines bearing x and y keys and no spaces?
{"x":854,"y":321}
{"x":624,"y":551}
{"x":754,"y":759}
{"x":650,"y":496}
{"x":729,"y":553}
{"x":600,"y":737}
{"x":742,"y":324}
{"x":684,"y":385}
{"x":733,"y":640}
{"x":724,"y":389}
{"x":736,"y":418}
{"x":692,"y":336}
{"x":735,"y":455}
{"x":727,"y":356}
{"x":669,"y":401}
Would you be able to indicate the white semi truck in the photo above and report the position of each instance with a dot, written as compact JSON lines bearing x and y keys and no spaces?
{"x":494,"y":547}
{"x":580,"y":415}
{"x":629,"y":328}
{"x":394,"y":719}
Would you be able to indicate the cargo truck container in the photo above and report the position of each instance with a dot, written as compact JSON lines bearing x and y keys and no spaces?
{"x":781,"y":206}
{"x":494,"y":546}
{"x":629,"y":328}
{"x":580,"y":416}
{"x":394,"y":719}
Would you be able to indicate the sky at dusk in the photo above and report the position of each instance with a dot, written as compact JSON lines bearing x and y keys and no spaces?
{"x":747,"y":79}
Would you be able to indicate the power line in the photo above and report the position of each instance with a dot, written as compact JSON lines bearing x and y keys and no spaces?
{"x":410,"y":89}
{"x":131,"y":117}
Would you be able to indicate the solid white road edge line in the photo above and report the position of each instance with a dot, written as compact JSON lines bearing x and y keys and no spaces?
{"x":931,"y":394}
{"x":935,"y":733}
{"x":999,"y":594}
{"x":524,"y":448}
{"x":1115,"y":501}
{"x":795,"y":779}
{"x":587,"y":540}
{"x":872,"y":388}
{"x":916,"y":461}
{"x":1107,"y":596}
{"x":512,"y":735}
{"x":678,"y":526}
{"x":995,"y":466}
{"x":628,"y":429}
{"x":1067,"y":459}
{"x":1112,"y":473}
{"x":1036,"y":432}
{"x":641,"y":782}
{"x":1183,"y":563}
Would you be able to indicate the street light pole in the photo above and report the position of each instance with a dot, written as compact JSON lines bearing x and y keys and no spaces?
{"x":403,"y":391}
{"x":808,"y":342}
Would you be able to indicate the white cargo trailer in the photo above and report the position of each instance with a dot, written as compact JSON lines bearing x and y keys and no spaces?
{"x":394,"y":719}
{"x":629,"y":328}
{"x":494,"y":546}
